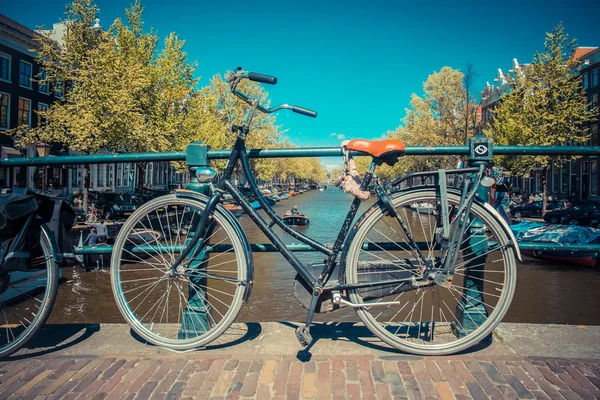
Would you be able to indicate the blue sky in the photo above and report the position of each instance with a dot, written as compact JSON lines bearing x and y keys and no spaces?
{"x":354,"y":62}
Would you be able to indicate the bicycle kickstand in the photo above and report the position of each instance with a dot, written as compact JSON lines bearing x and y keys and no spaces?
{"x":303,"y":331}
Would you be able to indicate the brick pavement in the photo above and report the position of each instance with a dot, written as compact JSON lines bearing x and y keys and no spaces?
{"x":199,"y":376}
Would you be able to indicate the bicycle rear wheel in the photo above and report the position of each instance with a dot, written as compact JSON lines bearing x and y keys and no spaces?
{"x":193,"y":306}
{"x":437,"y":318}
{"x":27,"y":298}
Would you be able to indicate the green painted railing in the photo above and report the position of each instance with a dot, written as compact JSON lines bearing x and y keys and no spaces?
{"x":191,"y":157}
{"x":291,"y":153}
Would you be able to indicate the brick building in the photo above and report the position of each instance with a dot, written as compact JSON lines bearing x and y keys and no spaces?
{"x":21,"y":95}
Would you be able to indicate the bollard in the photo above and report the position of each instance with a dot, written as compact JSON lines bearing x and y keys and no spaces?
{"x":471,"y":309}
{"x":196,"y":319}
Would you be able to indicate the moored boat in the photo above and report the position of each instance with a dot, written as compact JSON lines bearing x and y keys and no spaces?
{"x":563,"y":235}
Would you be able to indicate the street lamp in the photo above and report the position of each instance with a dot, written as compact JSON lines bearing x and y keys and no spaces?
{"x":43,"y":150}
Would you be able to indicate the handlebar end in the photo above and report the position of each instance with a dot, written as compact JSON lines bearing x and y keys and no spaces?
{"x":304,"y":111}
{"x":256,"y":77}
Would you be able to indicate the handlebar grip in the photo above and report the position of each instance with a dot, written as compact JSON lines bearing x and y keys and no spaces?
{"x":256,"y":77}
{"x":304,"y":111}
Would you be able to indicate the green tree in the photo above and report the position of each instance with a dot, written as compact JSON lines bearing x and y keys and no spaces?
{"x":444,"y":115}
{"x":545,"y":106}
{"x":121,"y":94}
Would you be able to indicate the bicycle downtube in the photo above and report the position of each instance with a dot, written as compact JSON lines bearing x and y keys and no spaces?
{"x":201,"y":229}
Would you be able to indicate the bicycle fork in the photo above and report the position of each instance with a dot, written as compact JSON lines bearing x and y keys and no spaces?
{"x":201,"y":229}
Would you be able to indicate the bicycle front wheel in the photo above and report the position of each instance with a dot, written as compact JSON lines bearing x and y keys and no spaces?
{"x":194,"y":305}
{"x":27,"y":298}
{"x":431,"y":318}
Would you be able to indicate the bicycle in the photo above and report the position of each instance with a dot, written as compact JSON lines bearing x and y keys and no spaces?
{"x":33,"y":243}
{"x":92,"y":214}
{"x":424,"y":283}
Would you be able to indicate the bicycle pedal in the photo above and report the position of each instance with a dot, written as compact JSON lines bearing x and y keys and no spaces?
{"x":303,"y":336}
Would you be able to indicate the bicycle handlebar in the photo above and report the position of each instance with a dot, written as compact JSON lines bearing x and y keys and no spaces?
{"x":256,"y":77}
{"x":235,"y":78}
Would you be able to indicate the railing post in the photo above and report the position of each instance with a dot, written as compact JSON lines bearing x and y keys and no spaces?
{"x":195,"y":319}
{"x":471,"y":309}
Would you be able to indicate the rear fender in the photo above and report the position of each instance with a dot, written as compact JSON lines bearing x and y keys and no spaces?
{"x":188,"y":194}
{"x":361,"y":220}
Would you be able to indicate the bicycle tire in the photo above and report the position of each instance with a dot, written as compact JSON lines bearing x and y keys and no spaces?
{"x":46,"y":302}
{"x":158,"y":214}
{"x":417,"y":337}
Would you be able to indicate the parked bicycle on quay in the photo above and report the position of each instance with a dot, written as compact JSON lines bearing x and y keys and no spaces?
{"x":434,"y":282}
{"x":34,"y":244}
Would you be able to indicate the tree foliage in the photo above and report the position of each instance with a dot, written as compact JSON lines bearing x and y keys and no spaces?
{"x":444,"y":115}
{"x":546,"y":105}
{"x":125,"y":93}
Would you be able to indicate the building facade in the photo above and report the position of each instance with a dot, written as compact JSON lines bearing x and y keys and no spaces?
{"x":573,"y":180}
{"x":21,"y":95}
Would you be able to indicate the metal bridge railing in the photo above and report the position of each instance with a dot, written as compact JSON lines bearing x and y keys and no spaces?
{"x":199,"y":155}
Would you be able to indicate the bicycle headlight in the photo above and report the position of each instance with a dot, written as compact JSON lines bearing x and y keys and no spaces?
{"x":205,"y":174}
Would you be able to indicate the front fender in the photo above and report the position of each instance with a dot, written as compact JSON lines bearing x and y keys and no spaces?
{"x":188,"y":194}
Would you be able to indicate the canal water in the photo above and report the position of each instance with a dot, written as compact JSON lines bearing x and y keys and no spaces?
{"x":546,"y":292}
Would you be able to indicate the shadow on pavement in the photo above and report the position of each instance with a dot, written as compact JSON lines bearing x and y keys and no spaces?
{"x":52,"y":338}
{"x":234,"y":335}
{"x":357,"y":333}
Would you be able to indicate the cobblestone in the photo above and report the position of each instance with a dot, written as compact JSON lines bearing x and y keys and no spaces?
{"x":339,"y":377}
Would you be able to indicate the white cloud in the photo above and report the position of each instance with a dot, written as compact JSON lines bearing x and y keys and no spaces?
{"x":338,"y":136}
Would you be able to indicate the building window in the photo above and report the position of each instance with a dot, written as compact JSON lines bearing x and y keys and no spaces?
{"x":565,"y":179}
{"x":25,"y":74}
{"x":556,"y":172}
{"x":4,"y":110}
{"x":594,"y":177}
{"x":594,"y":101}
{"x":594,"y":135}
{"x":59,"y":89}
{"x":24,"y":115}
{"x":584,"y":80}
{"x":44,"y":85}
{"x":5,"y":67}
{"x":42,"y":114}
{"x":595,"y":77}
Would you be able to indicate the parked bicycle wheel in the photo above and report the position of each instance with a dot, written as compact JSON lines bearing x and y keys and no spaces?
{"x":26,"y":298}
{"x":194,"y":305}
{"x":439,"y":318}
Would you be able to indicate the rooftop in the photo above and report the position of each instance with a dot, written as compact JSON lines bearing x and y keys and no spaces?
{"x":15,"y":26}
{"x":582,"y":51}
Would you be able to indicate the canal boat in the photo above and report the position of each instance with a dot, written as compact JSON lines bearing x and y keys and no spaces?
{"x":537,"y":232}
{"x":284,"y":196}
{"x":294,"y":218}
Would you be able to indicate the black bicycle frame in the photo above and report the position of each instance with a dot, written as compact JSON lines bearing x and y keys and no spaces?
{"x":239,"y":153}
{"x":224,"y":184}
